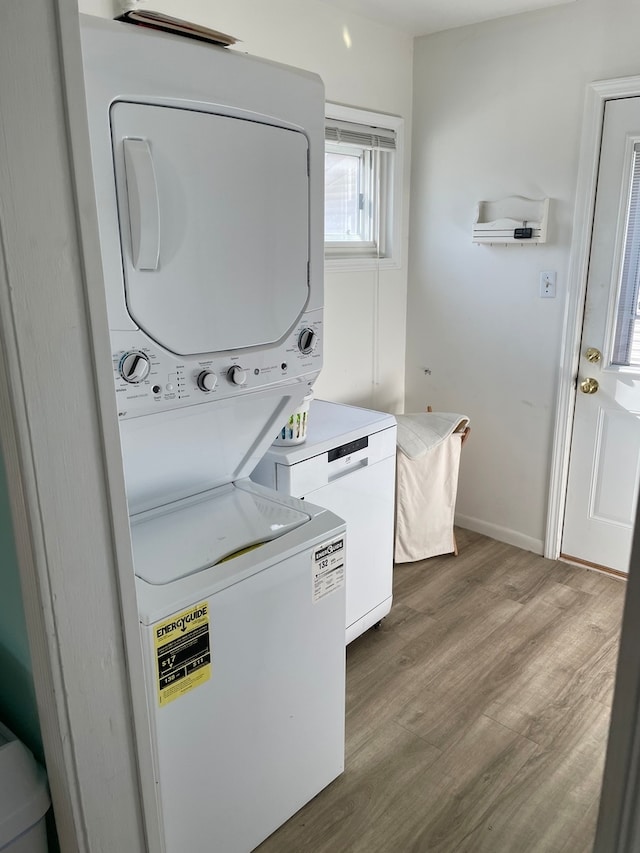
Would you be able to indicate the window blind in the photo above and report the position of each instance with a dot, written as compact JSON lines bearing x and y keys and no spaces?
{"x":362,"y":135}
{"x":630,"y":281}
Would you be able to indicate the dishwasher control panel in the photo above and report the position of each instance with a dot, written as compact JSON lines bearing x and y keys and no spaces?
{"x":313,"y":473}
{"x":348,"y":449}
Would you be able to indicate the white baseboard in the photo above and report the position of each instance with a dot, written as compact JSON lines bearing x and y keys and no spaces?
{"x":502,"y":534}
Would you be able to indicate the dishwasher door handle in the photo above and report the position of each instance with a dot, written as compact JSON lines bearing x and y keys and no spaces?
{"x":361,"y":463}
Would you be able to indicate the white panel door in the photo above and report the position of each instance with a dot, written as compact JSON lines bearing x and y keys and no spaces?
{"x":605,"y":449}
{"x":214,"y":218}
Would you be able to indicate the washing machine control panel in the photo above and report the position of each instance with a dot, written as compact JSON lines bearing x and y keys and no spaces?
{"x":307,"y":341}
{"x":134,"y":367}
{"x":237,"y":375}
{"x":150,"y":379}
{"x":207,"y":380}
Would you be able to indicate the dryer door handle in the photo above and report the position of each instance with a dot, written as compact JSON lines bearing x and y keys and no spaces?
{"x":144,"y":207}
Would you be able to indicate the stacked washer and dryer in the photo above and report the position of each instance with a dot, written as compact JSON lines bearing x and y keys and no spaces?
{"x":209,"y":169}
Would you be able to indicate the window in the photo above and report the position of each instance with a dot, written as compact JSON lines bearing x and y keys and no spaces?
{"x":626,"y":348}
{"x":350,"y":208}
{"x":362,"y":188}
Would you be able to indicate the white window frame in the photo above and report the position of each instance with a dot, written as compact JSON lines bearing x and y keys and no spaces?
{"x":345,"y":256}
{"x":367,"y":225}
{"x":625,"y":331}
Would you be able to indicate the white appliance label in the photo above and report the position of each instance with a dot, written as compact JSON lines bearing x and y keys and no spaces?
{"x":327,"y":568}
{"x":183,"y":652}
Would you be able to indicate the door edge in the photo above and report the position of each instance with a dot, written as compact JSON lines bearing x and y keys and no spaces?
{"x":618,"y":828}
{"x":597,"y":94}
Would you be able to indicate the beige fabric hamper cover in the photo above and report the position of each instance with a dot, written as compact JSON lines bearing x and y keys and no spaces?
{"x":428,"y":461}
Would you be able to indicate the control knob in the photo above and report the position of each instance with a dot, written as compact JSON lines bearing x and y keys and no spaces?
{"x":237,"y":375}
{"x":307,"y":340}
{"x":207,"y":380}
{"x":134,"y":367}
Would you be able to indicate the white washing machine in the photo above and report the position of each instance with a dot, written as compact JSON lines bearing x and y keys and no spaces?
{"x":347,"y":464}
{"x":244,"y":677}
{"x":209,"y":173}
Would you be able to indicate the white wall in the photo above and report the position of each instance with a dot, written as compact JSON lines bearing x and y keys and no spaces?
{"x":498,"y":111}
{"x":365,"y":311}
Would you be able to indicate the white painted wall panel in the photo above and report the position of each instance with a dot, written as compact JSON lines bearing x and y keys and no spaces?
{"x":498,"y":111}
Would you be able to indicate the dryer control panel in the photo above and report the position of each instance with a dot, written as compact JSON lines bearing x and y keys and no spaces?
{"x":149,"y":379}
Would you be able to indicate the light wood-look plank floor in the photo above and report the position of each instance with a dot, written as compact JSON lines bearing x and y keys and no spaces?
{"x":477,"y":715}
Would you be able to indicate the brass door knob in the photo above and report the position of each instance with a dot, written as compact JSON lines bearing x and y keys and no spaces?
{"x":589,"y":385}
{"x":593,"y":355}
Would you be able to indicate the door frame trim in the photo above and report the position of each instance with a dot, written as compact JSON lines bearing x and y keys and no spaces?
{"x":60,"y":442}
{"x":598,"y":93}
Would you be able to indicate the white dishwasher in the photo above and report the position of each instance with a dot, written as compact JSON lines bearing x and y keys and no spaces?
{"x":347,"y":465}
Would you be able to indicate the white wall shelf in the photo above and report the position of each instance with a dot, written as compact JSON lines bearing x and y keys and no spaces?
{"x":499,"y":221}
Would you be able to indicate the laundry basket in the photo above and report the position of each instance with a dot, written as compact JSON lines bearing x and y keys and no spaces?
{"x":427,"y":465}
{"x":24,"y":799}
{"x":295,"y":429}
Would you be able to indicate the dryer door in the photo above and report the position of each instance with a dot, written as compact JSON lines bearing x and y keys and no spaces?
{"x":214,"y":219}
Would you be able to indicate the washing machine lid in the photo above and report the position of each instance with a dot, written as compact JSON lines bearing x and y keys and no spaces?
{"x":193,"y":534}
{"x":214,"y":226}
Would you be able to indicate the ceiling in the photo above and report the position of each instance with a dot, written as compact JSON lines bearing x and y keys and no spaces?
{"x":421,"y":17}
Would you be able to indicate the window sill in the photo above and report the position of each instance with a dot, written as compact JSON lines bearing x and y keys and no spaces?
{"x":355,"y":264}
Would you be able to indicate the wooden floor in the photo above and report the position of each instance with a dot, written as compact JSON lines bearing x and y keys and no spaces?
{"x":477,"y":715}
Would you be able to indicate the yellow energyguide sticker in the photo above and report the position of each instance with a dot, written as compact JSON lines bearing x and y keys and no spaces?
{"x":183,"y":652}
